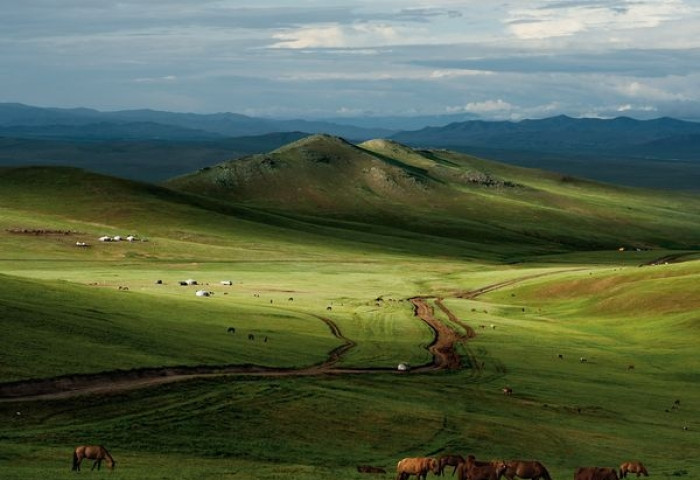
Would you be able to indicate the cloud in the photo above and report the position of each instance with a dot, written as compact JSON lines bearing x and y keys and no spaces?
{"x":546,"y":20}
{"x":487,"y":106}
{"x":638,"y":89}
{"x":165,"y":79}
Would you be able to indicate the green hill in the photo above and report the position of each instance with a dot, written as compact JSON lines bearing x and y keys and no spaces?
{"x":450,"y":195}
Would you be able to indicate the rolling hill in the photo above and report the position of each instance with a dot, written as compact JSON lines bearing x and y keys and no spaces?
{"x":450,"y":195}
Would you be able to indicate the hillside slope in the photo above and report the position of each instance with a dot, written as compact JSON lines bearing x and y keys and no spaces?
{"x":446,"y":194}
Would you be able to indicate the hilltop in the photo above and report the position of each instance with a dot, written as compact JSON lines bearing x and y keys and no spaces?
{"x":447,"y":194}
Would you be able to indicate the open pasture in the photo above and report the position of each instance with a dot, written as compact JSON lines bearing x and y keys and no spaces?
{"x":333,"y":301}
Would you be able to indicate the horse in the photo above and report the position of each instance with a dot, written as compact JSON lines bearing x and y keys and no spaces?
{"x":452,"y":460}
{"x":92,"y":452}
{"x":633,"y":467}
{"x":418,"y":466}
{"x":526,"y":469}
{"x":473,"y":469}
{"x":595,"y":473}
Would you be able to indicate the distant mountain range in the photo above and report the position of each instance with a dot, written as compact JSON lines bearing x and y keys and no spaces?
{"x":663,"y":136}
{"x":34,"y":122}
{"x":154,"y":145}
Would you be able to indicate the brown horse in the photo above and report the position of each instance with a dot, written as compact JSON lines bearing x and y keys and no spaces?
{"x":526,"y":469}
{"x":418,"y":466}
{"x":633,"y":467}
{"x":92,"y":452}
{"x":451,"y":460}
{"x":595,"y":473}
{"x":473,"y":469}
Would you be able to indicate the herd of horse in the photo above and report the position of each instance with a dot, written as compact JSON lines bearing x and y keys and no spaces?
{"x":466,"y":469}
{"x":473,"y":469}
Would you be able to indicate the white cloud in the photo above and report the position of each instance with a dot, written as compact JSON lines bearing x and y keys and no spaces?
{"x":488,"y":106}
{"x":339,"y":36}
{"x":636,"y":89}
{"x":544,"y":20}
{"x":166,"y":78}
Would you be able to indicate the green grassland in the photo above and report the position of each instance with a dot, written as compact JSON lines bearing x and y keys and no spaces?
{"x":552,"y":294}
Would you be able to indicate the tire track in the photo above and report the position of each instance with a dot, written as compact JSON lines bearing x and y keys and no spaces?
{"x":442,"y":347}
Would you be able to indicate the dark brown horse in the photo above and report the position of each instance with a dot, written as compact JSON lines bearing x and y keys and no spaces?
{"x":526,"y":469}
{"x":595,"y":473}
{"x":474,"y":469}
{"x":92,"y":452}
{"x":451,"y":460}
{"x":633,"y":467}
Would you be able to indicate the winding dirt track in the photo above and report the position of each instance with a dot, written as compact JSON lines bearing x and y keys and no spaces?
{"x":445,"y":357}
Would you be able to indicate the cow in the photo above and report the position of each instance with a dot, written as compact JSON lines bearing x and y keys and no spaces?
{"x":507,"y":391}
{"x":595,"y":473}
{"x":451,"y":460}
{"x":633,"y":467}
{"x":418,"y":466}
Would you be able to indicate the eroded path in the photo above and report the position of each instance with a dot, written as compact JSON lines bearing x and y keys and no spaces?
{"x":443,"y":349}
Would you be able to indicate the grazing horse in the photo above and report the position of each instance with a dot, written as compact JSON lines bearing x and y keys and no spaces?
{"x":451,"y":460}
{"x":92,"y":452}
{"x":475,"y":470}
{"x":633,"y":467}
{"x":418,"y":466}
{"x":595,"y":473}
{"x":526,"y":469}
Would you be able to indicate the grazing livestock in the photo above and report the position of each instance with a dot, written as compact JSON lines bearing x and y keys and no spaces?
{"x":370,"y":469}
{"x":92,"y":452}
{"x":595,"y":473}
{"x":418,"y":466}
{"x":231,"y":330}
{"x":251,"y":336}
{"x":226,"y":282}
{"x":630,"y":367}
{"x":633,"y":467}
{"x":182,"y":283}
{"x":561,"y":357}
{"x":475,"y":470}
{"x":451,"y":460}
{"x":202,"y":293}
{"x":329,"y":308}
{"x":507,"y":391}
{"x":526,"y":469}
{"x":159,"y":282}
{"x":583,"y":360}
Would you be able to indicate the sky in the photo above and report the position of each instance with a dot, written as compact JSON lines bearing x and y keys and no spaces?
{"x":340,"y":58}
